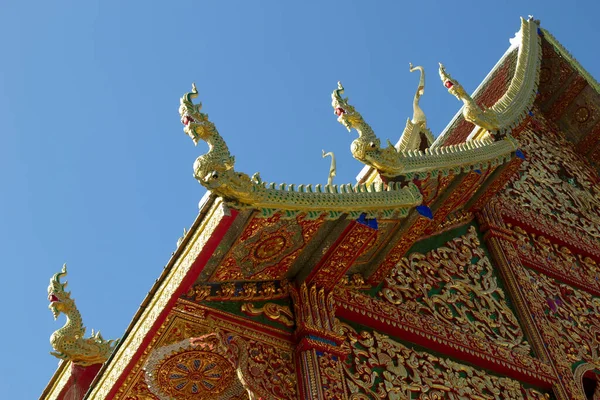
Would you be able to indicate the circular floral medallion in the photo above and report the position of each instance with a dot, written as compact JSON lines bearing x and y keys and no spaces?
{"x":582,"y":114}
{"x":269,"y":247}
{"x":196,"y":375}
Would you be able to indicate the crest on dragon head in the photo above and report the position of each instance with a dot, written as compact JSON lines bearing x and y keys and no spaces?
{"x":60,"y":300}
{"x":195,"y":122}
{"x":347,"y":114}
{"x":454,"y":88}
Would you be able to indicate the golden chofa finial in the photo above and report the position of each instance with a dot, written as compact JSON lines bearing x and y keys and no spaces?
{"x":418,"y":114}
{"x":332,"y":169}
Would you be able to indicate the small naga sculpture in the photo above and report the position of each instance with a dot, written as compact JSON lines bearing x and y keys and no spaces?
{"x":68,"y":342}
{"x":483,"y":117}
{"x":367,"y":147}
{"x":214,"y":170}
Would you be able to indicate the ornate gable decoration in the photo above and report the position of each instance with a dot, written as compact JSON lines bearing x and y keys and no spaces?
{"x":456,"y":284}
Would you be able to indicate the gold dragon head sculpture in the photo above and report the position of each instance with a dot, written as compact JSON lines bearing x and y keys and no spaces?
{"x":197,"y":125}
{"x":346,"y":113}
{"x":454,"y":88}
{"x":60,"y":300}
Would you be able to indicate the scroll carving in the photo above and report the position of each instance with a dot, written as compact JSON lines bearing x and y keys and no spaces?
{"x":456,"y":285}
{"x":382,"y":368}
{"x":557,"y":185}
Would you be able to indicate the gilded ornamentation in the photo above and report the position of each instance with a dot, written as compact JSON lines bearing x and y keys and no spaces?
{"x":315,"y":310}
{"x":548,"y":256}
{"x":330,"y":270}
{"x":382,"y":368}
{"x":555,"y":184}
{"x":214,"y":170}
{"x":220,"y":366}
{"x":397,"y":252}
{"x":68,"y":342}
{"x":201,"y":369}
{"x":354,"y":281}
{"x":332,"y":168}
{"x":513,"y":106}
{"x":564,"y":53}
{"x":437,"y":335}
{"x":418,"y":114}
{"x":273,"y":311}
{"x":475,"y":154}
{"x":456,"y":285}
{"x":416,"y":136}
{"x":270,"y":372}
{"x":332,"y":377}
{"x":266,"y":248}
{"x":572,"y":317}
{"x":483,"y":117}
{"x":242,"y":291}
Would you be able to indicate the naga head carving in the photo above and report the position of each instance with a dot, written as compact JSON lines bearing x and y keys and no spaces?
{"x":60,"y":300}
{"x":197,"y":125}
{"x":346,"y":113}
{"x":454,"y":88}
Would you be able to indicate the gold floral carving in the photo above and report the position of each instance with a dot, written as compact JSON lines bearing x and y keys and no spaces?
{"x":444,"y":337}
{"x":557,"y":185}
{"x":230,"y":291}
{"x":315,"y":310}
{"x":572,"y":317}
{"x":220,"y":365}
{"x":272,"y":311}
{"x":546,"y":255}
{"x":456,"y":284}
{"x":267,"y":248}
{"x":332,"y":377}
{"x":567,"y":321}
{"x":382,"y":368}
{"x":336,"y":263}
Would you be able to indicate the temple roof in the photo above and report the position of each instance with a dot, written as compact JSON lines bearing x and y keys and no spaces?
{"x":567,"y":94}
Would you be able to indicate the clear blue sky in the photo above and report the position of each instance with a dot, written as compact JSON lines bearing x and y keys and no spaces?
{"x":95,"y":170}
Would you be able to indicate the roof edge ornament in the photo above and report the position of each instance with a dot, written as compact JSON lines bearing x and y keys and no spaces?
{"x":414,"y":162}
{"x":416,"y":135}
{"x":418,"y":114}
{"x":215,"y":171}
{"x":518,"y":99}
{"x":571,"y":60}
{"x":68,"y":341}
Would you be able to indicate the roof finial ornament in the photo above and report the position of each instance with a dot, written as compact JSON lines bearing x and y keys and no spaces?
{"x":483,"y":117}
{"x":68,"y":342}
{"x":332,"y":169}
{"x":418,"y":114}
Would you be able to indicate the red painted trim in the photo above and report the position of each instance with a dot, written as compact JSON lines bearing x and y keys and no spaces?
{"x":79,"y":381}
{"x":189,"y":279}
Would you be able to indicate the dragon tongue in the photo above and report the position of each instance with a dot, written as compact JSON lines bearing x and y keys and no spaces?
{"x":53,"y":298}
{"x":339,"y":111}
{"x":186,"y":120}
